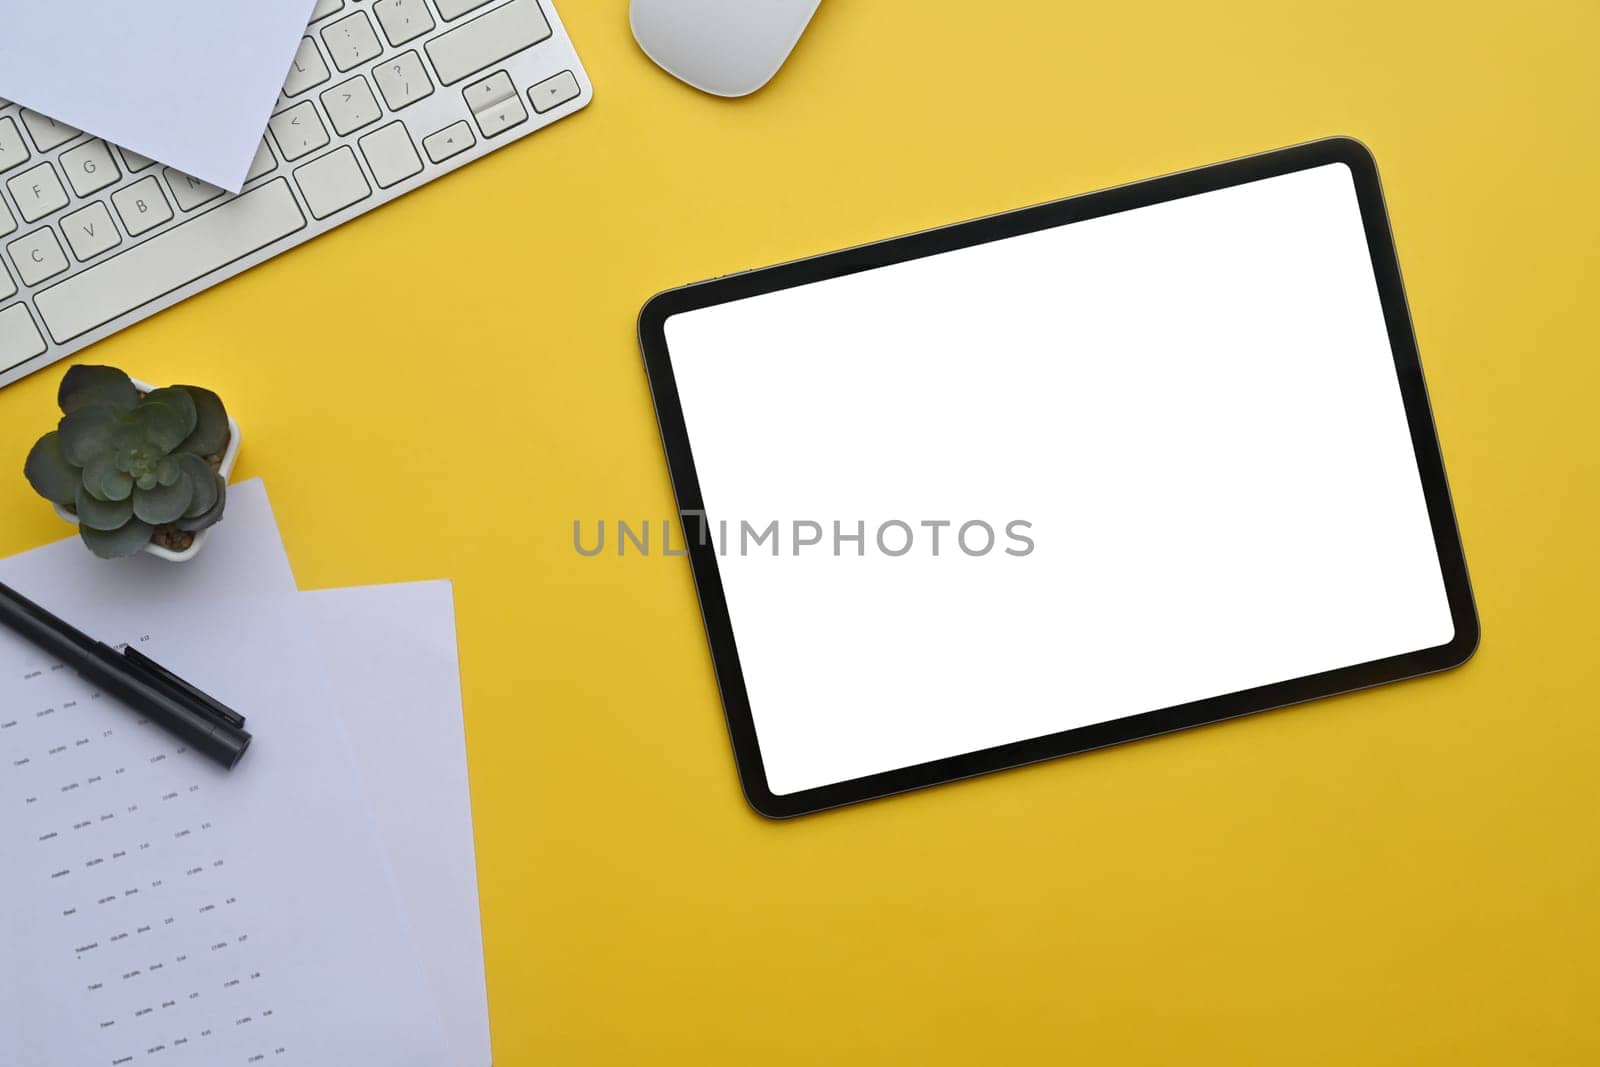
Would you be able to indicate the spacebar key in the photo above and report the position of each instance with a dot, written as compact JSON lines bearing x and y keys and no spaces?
{"x":487,"y":39}
{"x":170,"y":261}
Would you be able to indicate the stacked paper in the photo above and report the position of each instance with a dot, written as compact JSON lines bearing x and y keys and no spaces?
{"x":316,"y":905}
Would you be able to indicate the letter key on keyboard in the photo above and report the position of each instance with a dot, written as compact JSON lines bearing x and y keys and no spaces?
{"x":89,"y":167}
{"x":136,"y":162}
{"x":37,"y":192}
{"x":47,"y":132}
{"x":307,"y":71}
{"x":190,"y":193}
{"x":90,"y":232}
{"x":142,"y":205}
{"x":13,"y":153}
{"x":38,"y":256}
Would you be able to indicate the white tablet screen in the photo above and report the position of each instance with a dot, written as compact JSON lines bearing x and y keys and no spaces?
{"x":1098,"y":470}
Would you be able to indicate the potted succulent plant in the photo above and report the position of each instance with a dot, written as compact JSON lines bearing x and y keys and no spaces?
{"x":135,"y":467}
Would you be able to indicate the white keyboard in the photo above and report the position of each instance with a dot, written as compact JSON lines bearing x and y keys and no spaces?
{"x":383,"y":96}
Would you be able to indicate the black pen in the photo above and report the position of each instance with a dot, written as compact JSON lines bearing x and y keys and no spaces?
{"x":205,"y":724}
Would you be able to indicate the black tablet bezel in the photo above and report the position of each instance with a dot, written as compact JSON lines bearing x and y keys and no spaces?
{"x":702,"y":554}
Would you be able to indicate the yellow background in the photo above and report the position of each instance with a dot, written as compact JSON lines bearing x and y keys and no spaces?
{"x":1404,"y":876}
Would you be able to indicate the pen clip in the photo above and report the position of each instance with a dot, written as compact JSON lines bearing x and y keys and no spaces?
{"x":208,"y":705}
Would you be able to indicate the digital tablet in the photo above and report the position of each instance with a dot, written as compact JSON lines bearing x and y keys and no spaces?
{"x":1059,"y":478}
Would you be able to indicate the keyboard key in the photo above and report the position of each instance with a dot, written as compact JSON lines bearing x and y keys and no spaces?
{"x":90,"y":231}
{"x":13,"y":152}
{"x":263,"y":163}
{"x":135,"y":162}
{"x":402,"y":80}
{"x":390,"y":154}
{"x":454,"y":9}
{"x":19,"y":337}
{"x":403,"y":20}
{"x":190,"y":193}
{"x":332,"y":183}
{"x":495,"y":103}
{"x":38,"y":256}
{"x":487,"y":39}
{"x":7,"y":286}
{"x":553,"y":92}
{"x":502,"y":116}
{"x":352,"y":41}
{"x":7,"y":223}
{"x":299,"y":131}
{"x":170,"y":260}
{"x":47,"y":132}
{"x":453,"y":140}
{"x":142,"y":206}
{"x":325,"y":8}
{"x":350,"y":105}
{"x":307,"y":71}
{"x":89,"y":168}
{"x":37,"y":192}
{"x":489,"y":91}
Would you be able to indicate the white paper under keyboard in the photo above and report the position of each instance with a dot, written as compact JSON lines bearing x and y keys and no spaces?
{"x":164,"y":911}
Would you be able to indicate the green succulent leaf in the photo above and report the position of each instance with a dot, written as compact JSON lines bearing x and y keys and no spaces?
{"x":48,"y":471}
{"x":104,"y":481}
{"x":102,"y":514}
{"x":181,"y":401}
{"x":200,"y":474}
{"x":160,"y":424}
{"x":167,"y":471}
{"x":89,"y":386}
{"x":85,"y":432}
{"x":90,"y":484}
{"x":213,"y":514}
{"x":163,"y":503}
{"x":116,"y":544}
{"x":134,"y":453}
{"x":210,"y":435}
{"x":129,"y":432}
{"x":146,"y":482}
{"x":117,"y":485}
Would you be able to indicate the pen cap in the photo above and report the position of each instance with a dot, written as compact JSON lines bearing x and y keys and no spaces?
{"x":208,"y":725}
{"x":224,"y":745}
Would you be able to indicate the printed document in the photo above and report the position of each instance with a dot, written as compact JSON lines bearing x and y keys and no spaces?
{"x":159,"y":909}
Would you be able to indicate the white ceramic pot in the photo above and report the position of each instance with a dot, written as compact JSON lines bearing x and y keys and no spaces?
{"x":229,"y":458}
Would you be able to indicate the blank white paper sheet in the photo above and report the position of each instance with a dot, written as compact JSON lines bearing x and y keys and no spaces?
{"x":189,"y":83}
{"x":391,"y":655}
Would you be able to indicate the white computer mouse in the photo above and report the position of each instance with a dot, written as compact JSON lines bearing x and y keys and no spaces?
{"x":725,"y":47}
